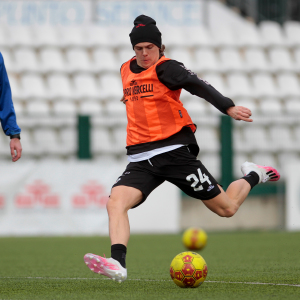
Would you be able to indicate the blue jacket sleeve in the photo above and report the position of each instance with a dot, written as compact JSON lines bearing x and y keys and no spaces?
{"x":7,"y":111}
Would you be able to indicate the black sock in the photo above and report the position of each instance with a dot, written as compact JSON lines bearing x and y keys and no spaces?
{"x":252,"y":178}
{"x":118,"y":252}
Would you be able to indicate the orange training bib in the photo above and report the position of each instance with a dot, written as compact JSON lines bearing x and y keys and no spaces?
{"x":154,"y":112}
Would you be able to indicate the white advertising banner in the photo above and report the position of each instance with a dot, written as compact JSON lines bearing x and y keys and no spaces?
{"x":45,"y":12}
{"x":171,"y":13}
{"x":293,"y":197}
{"x":101,"y":12}
{"x":117,"y":13}
{"x":54,"y":198}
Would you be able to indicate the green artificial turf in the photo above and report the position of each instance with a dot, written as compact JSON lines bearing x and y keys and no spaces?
{"x":242,"y":257}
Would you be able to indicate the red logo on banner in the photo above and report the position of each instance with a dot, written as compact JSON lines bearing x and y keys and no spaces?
{"x":92,"y":195}
{"x":37,"y":194}
{"x":2,"y":201}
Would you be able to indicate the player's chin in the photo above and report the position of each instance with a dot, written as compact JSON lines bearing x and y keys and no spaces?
{"x":148,"y":64}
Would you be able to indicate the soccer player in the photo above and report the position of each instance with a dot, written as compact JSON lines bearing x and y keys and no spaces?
{"x":8,"y":115}
{"x":161,"y":144}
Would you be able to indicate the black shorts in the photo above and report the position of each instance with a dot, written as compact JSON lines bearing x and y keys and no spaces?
{"x":179,"y":167}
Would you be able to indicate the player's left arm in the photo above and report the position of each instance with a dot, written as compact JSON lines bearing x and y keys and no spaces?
{"x":175,"y":76}
{"x":240,"y":113}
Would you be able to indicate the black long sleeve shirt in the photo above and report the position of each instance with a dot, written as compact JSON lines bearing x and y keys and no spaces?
{"x":174,"y":76}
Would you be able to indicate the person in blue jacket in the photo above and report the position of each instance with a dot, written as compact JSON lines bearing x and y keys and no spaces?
{"x":7,"y":114}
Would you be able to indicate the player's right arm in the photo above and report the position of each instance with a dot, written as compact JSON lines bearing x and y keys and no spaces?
{"x":123,"y":100}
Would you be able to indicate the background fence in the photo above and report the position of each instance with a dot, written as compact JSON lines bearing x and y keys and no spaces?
{"x":63,"y":60}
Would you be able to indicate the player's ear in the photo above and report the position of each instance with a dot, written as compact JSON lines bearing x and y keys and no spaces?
{"x":162,"y":51}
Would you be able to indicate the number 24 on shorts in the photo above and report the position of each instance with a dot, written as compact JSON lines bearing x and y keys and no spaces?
{"x":202,"y":178}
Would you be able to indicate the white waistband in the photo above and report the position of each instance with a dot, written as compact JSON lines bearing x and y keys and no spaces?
{"x":148,"y":154}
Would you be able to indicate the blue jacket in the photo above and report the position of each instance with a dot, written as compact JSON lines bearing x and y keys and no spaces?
{"x":7,"y":112}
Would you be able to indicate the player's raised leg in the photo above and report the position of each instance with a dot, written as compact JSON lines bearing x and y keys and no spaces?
{"x":227,"y":203}
{"x":122,"y":198}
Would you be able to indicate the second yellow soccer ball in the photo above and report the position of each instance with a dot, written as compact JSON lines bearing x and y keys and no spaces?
{"x":194,"y":238}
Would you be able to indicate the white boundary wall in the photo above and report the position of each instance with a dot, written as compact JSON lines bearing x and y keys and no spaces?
{"x":293,"y":196}
{"x":54,"y":198}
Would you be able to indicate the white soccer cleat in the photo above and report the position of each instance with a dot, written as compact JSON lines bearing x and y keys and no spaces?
{"x":106,"y":266}
{"x":265,"y":173}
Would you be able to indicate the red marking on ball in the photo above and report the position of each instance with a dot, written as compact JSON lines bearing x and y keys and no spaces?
{"x":187,"y":258}
{"x":189,"y":281}
{"x":188,"y":269}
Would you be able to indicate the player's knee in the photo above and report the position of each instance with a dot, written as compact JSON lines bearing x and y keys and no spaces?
{"x":112,"y":205}
{"x":227,"y":212}
{"x":117,"y":205}
{"x":231,"y":212}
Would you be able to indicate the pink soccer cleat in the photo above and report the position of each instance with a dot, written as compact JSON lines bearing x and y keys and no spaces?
{"x":106,"y":266}
{"x":265,"y":173}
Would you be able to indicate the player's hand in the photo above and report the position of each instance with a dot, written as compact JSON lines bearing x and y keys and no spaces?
{"x":123,"y":100}
{"x":240,"y":113}
{"x":15,"y":149}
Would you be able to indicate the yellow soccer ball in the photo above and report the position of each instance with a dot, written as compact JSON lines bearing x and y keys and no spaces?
{"x":194,"y":239}
{"x":188,"y":269}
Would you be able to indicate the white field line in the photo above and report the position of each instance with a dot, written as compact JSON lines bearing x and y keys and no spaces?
{"x":209,"y":281}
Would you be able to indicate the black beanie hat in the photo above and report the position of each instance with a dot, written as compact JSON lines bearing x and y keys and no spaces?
{"x":145,"y":30}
